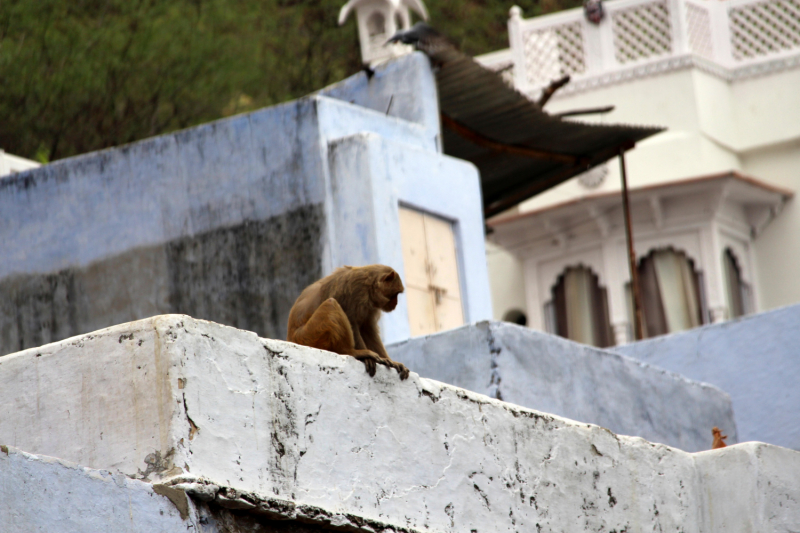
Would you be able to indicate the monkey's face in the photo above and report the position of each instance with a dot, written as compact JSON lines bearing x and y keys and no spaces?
{"x":390,"y":306}
{"x":390,"y":287}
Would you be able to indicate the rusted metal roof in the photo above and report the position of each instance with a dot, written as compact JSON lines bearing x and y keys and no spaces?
{"x":519,"y":149}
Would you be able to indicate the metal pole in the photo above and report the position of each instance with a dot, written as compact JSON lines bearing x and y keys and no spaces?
{"x":637,"y":298}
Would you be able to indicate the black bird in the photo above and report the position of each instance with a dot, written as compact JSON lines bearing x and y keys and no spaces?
{"x":424,"y":37}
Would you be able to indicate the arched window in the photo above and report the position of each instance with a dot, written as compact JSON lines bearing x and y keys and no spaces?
{"x":516,"y":316}
{"x":579,"y":308}
{"x":672,"y":293}
{"x":398,"y":22}
{"x":376,"y":27}
{"x":739,"y":294}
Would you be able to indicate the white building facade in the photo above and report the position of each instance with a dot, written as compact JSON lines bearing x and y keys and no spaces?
{"x":11,"y":164}
{"x":716,"y":231}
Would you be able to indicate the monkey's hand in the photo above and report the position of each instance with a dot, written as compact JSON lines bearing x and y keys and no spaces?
{"x":400,"y":367}
{"x":402,"y":370}
{"x":370,"y":360}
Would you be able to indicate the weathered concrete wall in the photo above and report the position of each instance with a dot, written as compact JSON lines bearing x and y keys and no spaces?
{"x":173,"y":396}
{"x":231,"y":220}
{"x":231,"y":213}
{"x":557,"y":376}
{"x":754,"y":359}
{"x":247,"y":276}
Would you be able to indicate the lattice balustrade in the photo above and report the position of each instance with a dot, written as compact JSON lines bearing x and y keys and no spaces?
{"x":554,"y":52}
{"x":763,"y":28}
{"x":642,"y":32}
{"x":698,"y":25}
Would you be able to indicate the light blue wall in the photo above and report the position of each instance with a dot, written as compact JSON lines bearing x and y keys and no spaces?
{"x":228,"y":221}
{"x":378,"y":160}
{"x":587,"y":384}
{"x":755,"y":359}
{"x":83,"y":209}
{"x":370,"y":177}
{"x":404,"y":88}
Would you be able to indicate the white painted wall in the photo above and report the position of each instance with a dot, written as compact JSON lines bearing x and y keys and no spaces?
{"x":505,"y":281}
{"x":700,"y":218}
{"x":11,"y":164}
{"x":305,"y":427}
{"x":717,"y":122}
{"x":777,"y":249}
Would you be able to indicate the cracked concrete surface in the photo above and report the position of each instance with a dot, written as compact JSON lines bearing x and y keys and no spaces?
{"x":293,"y":424}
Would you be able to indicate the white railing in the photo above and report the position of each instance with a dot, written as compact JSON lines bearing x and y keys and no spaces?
{"x":729,"y":33}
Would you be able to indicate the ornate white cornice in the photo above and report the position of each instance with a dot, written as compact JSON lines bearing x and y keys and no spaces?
{"x":674,"y":63}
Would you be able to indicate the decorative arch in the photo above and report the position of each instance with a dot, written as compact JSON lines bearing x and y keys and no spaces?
{"x":578,"y":309}
{"x":672,"y":291}
{"x":684,"y":246}
{"x":376,"y":25}
{"x":738,"y":291}
{"x":551,"y":271}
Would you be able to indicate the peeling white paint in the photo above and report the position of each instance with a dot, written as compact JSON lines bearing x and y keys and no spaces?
{"x":312,"y":428}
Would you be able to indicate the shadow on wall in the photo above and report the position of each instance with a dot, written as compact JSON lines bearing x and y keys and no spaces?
{"x":246,"y":276}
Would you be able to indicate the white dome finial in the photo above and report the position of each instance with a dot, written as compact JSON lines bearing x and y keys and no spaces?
{"x":377,"y":21}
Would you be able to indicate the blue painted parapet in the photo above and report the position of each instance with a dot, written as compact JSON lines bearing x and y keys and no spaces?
{"x":587,"y":384}
{"x":230,"y":220}
{"x":755,"y":359}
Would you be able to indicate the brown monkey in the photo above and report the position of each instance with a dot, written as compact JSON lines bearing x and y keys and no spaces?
{"x":339,"y":313}
{"x":719,"y":438}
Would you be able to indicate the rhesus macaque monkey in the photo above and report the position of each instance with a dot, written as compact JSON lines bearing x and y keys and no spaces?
{"x":339,"y":313}
{"x":719,"y":438}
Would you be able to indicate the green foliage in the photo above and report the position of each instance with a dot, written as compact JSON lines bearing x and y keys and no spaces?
{"x":81,"y":75}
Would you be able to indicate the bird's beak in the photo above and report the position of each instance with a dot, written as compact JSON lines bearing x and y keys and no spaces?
{"x":395,"y":38}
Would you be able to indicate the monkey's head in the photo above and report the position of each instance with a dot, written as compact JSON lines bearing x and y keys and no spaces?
{"x":716,"y":431}
{"x":387,"y":287}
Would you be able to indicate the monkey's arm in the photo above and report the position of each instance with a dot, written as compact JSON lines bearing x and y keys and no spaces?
{"x":329,"y":329}
{"x":372,"y":340}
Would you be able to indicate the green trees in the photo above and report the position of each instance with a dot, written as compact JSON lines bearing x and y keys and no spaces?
{"x":81,"y":75}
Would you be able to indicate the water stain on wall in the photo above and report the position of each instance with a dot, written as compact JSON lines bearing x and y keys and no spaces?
{"x":246,"y":276}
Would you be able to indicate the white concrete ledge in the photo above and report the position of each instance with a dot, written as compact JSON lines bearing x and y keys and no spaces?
{"x":171,"y":396}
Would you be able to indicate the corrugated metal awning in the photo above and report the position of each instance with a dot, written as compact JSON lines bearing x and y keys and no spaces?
{"x":519,"y":149}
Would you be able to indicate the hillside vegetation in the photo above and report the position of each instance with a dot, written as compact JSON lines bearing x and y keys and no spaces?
{"x":81,"y":75}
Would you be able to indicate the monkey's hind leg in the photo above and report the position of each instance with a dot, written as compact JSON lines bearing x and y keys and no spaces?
{"x":329,"y":329}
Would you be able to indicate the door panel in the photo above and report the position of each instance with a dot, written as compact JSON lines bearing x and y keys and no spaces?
{"x":412,"y":231}
{"x":431,"y":277}
{"x":449,"y":314}
{"x":421,"y":314}
{"x":441,"y":246}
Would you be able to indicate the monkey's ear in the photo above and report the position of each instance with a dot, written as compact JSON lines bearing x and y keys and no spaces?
{"x":389,"y":277}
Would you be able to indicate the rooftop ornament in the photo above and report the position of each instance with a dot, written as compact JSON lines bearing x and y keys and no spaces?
{"x":593,"y":10}
{"x":377,"y":21}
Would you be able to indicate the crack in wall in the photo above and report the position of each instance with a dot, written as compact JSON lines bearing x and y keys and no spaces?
{"x":495,"y":378}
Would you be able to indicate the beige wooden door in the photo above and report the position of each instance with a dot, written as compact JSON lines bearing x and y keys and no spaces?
{"x":431,"y":273}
